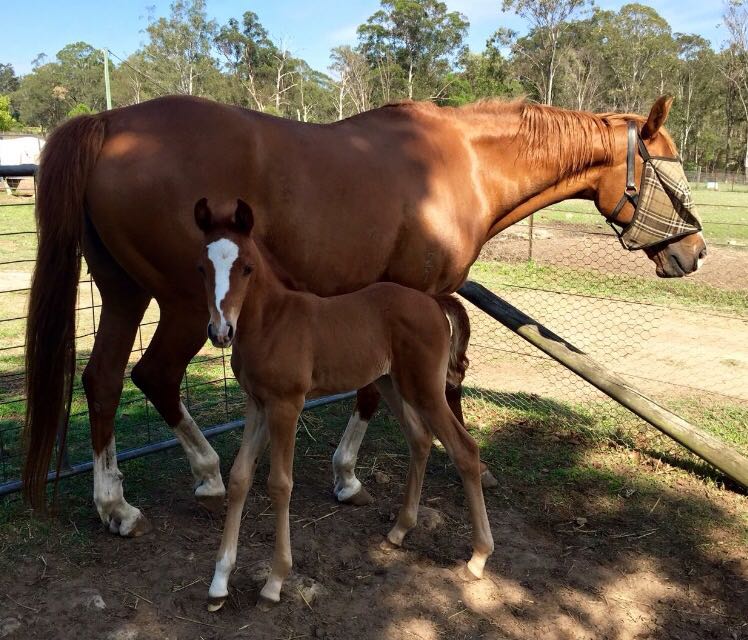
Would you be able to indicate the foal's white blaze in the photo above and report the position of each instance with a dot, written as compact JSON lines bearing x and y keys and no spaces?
{"x":222,"y":253}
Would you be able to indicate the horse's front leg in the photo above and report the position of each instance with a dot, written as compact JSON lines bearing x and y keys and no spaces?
{"x":282,"y":417}
{"x":254,"y":441}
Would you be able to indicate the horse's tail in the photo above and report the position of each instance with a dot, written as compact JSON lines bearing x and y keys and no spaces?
{"x":66,"y":163}
{"x":460,"y":324}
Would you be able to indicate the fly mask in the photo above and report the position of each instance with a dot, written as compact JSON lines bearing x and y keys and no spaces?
{"x":664,"y":208}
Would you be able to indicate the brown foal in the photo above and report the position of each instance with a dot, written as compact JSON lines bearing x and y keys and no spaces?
{"x":290,"y":345}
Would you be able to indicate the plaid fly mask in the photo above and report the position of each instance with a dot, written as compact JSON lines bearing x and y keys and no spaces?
{"x":664,"y":208}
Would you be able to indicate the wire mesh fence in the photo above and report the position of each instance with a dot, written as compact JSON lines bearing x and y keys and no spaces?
{"x":682,"y":341}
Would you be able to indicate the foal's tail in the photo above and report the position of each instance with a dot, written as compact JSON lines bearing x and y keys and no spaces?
{"x":460,"y":323}
{"x":66,"y":163}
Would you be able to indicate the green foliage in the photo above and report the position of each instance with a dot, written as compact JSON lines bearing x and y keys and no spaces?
{"x":420,"y":37}
{"x":8,"y":79}
{"x":571,"y":56}
{"x":7,"y":121}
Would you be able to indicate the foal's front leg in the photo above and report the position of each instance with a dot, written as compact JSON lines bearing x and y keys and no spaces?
{"x":254,"y":441}
{"x":282,"y":418}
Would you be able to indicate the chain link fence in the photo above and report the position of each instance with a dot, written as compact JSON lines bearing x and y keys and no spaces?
{"x":681,"y":341}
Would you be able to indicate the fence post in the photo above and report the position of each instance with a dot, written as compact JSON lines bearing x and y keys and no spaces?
{"x":704,"y":445}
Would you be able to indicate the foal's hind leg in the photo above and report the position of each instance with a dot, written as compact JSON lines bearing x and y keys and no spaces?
{"x":419,"y":442}
{"x":122,"y":308}
{"x":463,"y":451}
{"x":179,"y":336}
{"x":348,"y":488}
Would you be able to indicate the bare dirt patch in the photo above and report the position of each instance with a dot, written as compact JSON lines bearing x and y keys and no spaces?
{"x":598,"y":566}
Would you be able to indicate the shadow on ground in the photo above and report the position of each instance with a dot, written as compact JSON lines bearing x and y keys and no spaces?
{"x":593,"y":540}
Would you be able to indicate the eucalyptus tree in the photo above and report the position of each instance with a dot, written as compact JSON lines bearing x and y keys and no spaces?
{"x":178,"y":53}
{"x":421,"y":37}
{"x":548,"y":19}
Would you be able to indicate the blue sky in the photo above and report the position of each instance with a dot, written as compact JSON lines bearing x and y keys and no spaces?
{"x":310,"y":28}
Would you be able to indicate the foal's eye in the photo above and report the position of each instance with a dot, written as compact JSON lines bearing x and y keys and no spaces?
{"x":247,"y":270}
{"x":200,"y":269}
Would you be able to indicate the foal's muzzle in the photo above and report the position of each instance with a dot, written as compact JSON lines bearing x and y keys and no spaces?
{"x":223,"y":337}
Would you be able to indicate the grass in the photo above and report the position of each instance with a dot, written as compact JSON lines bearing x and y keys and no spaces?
{"x":724,"y":215}
{"x":620,"y":287}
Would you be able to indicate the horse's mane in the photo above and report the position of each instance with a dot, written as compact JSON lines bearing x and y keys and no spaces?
{"x":567,"y":138}
{"x":564,"y":137}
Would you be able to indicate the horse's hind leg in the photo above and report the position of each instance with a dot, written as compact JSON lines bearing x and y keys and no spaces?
{"x":178,"y":337}
{"x":348,"y":488}
{"x":123,"y":304}
{"x":454,"y":400}
{"x":419,"y":443}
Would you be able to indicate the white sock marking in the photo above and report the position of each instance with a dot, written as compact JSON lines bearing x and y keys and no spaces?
{"x":347,"y":484}
{"x":222,"y":253}
{"x":203,"y":459}
{"x":108,"y":495}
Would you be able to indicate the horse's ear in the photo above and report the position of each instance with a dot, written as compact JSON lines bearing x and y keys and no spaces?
{"x":244,"y":219}
{"x":657,"y":116}
{"x":203,"y":216}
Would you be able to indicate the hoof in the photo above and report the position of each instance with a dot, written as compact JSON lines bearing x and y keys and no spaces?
{"x":138,"y":528}
{"x":141,"y":527}
{"x":359,"y":499}
{"x":212,"y":504}
{"x":214,"y":604}
{"x":464,"y":573}
{"x":388,"y":546}
{"x":487,"y":480}
{"x":266,"y":604}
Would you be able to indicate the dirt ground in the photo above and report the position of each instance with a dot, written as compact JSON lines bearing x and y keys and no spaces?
{"x":593,"y":568}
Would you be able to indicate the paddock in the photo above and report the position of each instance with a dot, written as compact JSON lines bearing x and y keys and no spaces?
{"x":603,"y":527}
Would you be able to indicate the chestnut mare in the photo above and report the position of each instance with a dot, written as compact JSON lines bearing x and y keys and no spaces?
{"x":289,"y":345}
{"x":407,"y":193}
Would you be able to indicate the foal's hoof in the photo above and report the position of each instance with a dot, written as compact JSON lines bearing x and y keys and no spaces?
{"x":214,"y":604}
{"x":388,"y":546}
{"x":359,"y":499}
{"x":464,"y":573}
{"x":266,"y":604}
{"x":126,"y":528}
{"x":212,"y":504}
{"x":487,"y":480}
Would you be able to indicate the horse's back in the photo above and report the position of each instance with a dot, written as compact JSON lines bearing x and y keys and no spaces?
{"x":339,"y":206}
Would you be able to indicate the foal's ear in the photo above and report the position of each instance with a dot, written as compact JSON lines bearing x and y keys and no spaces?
{"x":657,"y":116}
{"x":244,"y":219}
{"x":203,"y":216}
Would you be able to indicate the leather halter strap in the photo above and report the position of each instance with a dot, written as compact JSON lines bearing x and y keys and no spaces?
{"x":631,"y":194}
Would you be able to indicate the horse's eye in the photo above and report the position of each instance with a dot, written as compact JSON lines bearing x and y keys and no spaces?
{"x":247,"y":269}
{"x":200,"y":269}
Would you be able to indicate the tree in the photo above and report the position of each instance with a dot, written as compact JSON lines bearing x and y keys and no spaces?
{"x":7,"y":121}
{"x":178,"y":54}
{"x":640,"y":53}
{"x":485,"y":75}
{"x":45,"y":96}
{"x":8,"y":79}
{"x":420,"y":36}
{"x":734,"y":65}
{"x":548,"y":20}
{"x":250,"y":57}
{"x":355,"y":80}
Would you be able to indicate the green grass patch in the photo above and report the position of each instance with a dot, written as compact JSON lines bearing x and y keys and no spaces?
{"x":618,"y":286}
{"x":724,"y":215}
